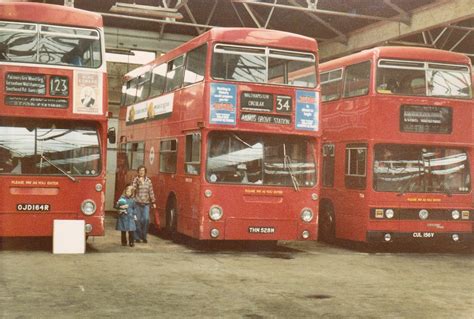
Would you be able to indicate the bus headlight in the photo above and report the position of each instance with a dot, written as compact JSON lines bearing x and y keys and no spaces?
{"x":389,"y":213}
{"x":215,"y":213}
{"x":455,"y":214}
{"x":88,"y":207}
{"x":307,"y":215}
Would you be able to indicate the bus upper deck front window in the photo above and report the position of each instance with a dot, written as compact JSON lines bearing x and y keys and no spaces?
{"x":263,"y":65}
{"x":45,"y":44}
{"x":423,"y":79}
{"x":49,"y":148}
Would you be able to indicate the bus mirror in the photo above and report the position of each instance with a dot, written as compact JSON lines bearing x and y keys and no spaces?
{"x":111,"y":135}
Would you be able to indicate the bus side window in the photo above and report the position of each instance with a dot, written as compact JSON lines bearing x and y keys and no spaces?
{"x":130,"y":92}
{"x":168,"y":156}
{"x":331,"y":85}
{"x":158,"y":80}
{"x":174,"y":75}
{"x":135,"y":154}
{"x":195,"y":65}
{"x":122,"y":160}
{"x":356,"y":161}
{"x":192,"y":163}
{"x":143,"y":86}
{"x":357,"y":79}
{"x":328,"y":165}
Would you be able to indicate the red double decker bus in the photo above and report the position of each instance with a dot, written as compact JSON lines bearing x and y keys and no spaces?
{"x":398,"y":146}
{"x":227,"y":125}
{"x":53,"y":118}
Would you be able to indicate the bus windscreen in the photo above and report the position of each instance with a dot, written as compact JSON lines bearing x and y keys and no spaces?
{"x":43,"y":147}
{"x":243,"y":158}
{"x":420,"y":169}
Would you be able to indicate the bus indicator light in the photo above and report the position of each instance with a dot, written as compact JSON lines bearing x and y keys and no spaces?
{"x":379,"y":213}
{"x":214,"y":233}
{"x":465,"y":214}
{"x":88,"y":228}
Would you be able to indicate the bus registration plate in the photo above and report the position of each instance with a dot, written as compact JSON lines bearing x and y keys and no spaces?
{"x":261,"y":230}
{"x":423,"y":235}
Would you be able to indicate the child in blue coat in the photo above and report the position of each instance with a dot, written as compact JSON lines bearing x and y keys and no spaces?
{"x":127,"y":216}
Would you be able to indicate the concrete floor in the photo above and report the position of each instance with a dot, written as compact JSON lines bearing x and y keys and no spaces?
{"x":167,"y":280}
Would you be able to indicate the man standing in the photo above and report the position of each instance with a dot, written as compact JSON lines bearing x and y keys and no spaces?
{"x":144,"y":197}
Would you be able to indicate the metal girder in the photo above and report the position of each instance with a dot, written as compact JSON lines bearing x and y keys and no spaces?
{"x":142,"y":40}
{"x":439,"y":14}
{"x":112,"y":15}
{"x":404,"y":16}
{"x":341,"y":36}
{"x":193,"y":19}
{"x":255,"y":16}
{"x":315,"y":10}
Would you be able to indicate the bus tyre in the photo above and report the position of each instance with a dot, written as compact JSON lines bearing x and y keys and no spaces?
{"x":327,"y":224}
{"x":171,"y":217}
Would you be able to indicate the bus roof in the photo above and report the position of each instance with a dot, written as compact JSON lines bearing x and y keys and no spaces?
{"x":398,"y":52}
{"x":244,"y":36}
{"x":49,"y":14}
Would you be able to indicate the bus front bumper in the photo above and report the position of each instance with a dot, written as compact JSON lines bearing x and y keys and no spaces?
{"x":445,"y":237}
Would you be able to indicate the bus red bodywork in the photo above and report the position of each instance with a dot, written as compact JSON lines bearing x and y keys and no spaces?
{"x":401,"y":121}
{"x":184,"y":198}
{"x":53,"y":123}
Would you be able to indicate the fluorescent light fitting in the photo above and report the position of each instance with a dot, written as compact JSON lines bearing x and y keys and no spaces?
{"x":146,"y":11}
{"x":119,"y":51}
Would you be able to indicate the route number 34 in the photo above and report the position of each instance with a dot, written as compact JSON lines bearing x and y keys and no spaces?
{"x":283,"y":103}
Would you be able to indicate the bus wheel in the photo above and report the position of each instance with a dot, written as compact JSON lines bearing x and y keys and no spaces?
{"x":171,"y":216}
{"x":327,"y":224}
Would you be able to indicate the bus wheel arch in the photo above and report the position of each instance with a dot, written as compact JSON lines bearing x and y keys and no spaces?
{"x":327,"y":221}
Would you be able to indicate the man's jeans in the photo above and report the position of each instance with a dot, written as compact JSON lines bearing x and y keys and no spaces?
{"x":143,"y":221}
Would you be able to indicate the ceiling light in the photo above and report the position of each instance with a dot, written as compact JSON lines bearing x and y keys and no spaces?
{"x":146,"y":11}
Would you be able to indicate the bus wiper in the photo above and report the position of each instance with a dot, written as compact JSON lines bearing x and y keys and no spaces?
{"x":446,"y":190}
{"x":287,"y":165}
{"x":409,"y":181}
{"x":54,"y":136}
{"x":72,"y":178}
{"x":241,"y":140}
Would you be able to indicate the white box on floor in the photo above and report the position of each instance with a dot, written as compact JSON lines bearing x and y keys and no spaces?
{"x":69,"y":237}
